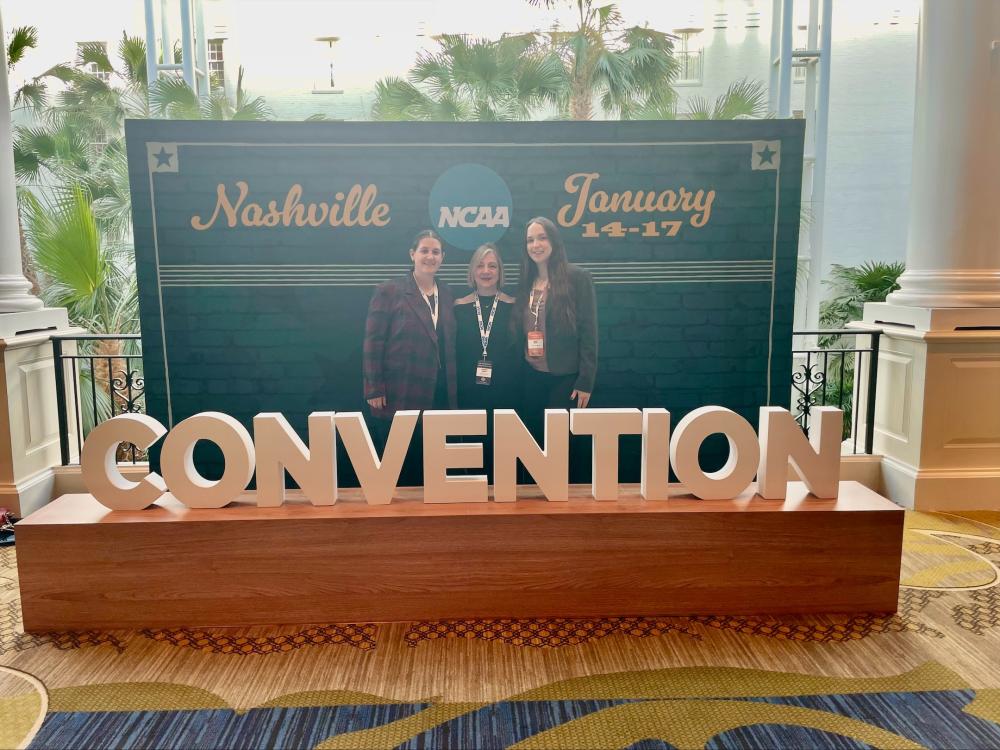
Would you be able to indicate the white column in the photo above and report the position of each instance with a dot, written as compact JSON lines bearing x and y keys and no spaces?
{"x":15,"y":293}
{"x":29,"y":428}
{"x":953,"y":251}
{"x":937,"y":412}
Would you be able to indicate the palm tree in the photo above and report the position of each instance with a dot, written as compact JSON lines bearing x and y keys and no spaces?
{"x":628,"y":71}
{"x":852,"y":286}
{"x":29,"y":96}
{"x":506,"y":79}
{"x":173,"y":99}
{"x":744,"y":99}
{"x":80,"y":139}
{"x":89,"y":275}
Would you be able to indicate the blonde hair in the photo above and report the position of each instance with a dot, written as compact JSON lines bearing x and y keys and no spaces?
{"x":477,"y":258}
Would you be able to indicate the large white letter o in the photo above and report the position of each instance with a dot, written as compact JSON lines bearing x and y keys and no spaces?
{"x":744,"y":453}
{"x":177,"y":460}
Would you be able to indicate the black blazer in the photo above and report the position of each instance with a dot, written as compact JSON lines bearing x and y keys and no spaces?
{"x":569,"y":350}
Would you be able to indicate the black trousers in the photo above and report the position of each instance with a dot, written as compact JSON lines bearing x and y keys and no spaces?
{"x":412,"y":473}
{"x":543,"y":390}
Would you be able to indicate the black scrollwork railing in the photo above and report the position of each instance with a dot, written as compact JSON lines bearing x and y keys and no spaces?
{"x":98,"y":376}
{"x":832,"y":373}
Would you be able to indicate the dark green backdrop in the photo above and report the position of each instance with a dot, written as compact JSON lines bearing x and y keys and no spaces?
{"x":270,"y":318}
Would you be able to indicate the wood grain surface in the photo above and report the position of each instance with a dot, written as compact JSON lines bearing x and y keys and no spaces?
{"x":82,"y":566}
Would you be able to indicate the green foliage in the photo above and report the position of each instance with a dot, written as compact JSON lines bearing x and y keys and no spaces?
{"x":628,"y":70}
{"x":838,"y":389}
{"x":78,"y":141}
{"x":94,"y":53}
{"x":744,"y":99}
{"x":480,"y":79}
{"x":173,"y":99}
{"x":78,"y":235}
{"x":850,"y":288}
{"x":22,"y":39}
{"x":84,"y":272}
{"x":132,"y":53}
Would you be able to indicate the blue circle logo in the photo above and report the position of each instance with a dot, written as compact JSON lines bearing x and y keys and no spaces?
{"x":470,"y":204}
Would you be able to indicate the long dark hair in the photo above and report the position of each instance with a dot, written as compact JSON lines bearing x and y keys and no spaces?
{"x":559,"y":302}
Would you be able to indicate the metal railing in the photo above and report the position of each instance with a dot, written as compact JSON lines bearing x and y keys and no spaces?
{"x":100,"y":375}
{"x":832,"y":374}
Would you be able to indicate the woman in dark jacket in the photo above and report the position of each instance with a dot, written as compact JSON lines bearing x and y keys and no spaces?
{"x":409,"y":349}
{"x":556,"y":314}
{"x":486,"y":354}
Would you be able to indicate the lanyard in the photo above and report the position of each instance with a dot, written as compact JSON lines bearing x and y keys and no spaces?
{"x":535,"y":309}
{"x":484,"y":333}
{"x":434,"y":306}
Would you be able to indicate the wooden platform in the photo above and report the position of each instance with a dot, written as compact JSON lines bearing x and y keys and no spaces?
{"x":82,"y":566}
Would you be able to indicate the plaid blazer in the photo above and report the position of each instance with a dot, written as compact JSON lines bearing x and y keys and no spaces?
{"x":401,"y":346}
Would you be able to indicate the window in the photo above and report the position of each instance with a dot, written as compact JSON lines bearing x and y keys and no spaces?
{"x":100,"y":145}
{"x":216,"y":64}
{"x":800,"y":66}
{"x":91,"y":67}
{"x":690,"y":58}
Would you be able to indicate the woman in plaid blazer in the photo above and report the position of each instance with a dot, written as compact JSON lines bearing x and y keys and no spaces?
{"x":409,"y":350}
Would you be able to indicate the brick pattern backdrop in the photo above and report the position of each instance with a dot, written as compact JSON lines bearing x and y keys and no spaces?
{"x":259,"y":319}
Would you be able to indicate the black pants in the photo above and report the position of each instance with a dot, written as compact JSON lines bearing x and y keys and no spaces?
{"x":543,"y":390}
{"x":412,"y":473}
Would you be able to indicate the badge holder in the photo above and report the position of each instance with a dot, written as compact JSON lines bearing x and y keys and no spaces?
{"x":536,"y":344}
{"x":484,"y":372}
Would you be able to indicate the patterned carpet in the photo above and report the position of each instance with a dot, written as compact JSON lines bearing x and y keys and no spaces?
{"x":926,"y":677}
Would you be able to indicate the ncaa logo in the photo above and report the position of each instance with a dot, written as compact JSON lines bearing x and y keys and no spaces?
{"x":470,"y":204}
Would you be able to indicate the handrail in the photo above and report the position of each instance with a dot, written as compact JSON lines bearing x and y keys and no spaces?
{"x":810,"y":381}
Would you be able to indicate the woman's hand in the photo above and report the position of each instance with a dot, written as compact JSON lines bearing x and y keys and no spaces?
{"x":377,"y":403}
{"x":582,"y":398}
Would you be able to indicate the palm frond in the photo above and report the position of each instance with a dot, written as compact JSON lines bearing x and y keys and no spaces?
{"x":32,"y":95}
{"x":612,"y":76}
{"x":432,"y":71}
{"x":253,"y":109}
{"x":22,"y":39}
{"x":699,"y":108}
{"x":216,"y":107}
{"x":90,"y":88}
{"x":852,"y":286}
{"x":745,"y":98}
{"x":66,"y":247}
{"x":246,"y":108}
{"x":396,"y":99}
{"x":96,"y":54}
{"x":61,"y":71}
{"x":540,"y":80}
{"x":132,"y":52}
{"x":173,"y":98}
{"x":608,"y":17}
{"x":95,"y":406}
{"x":27,"y":165}
{"x":113,"y":209}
